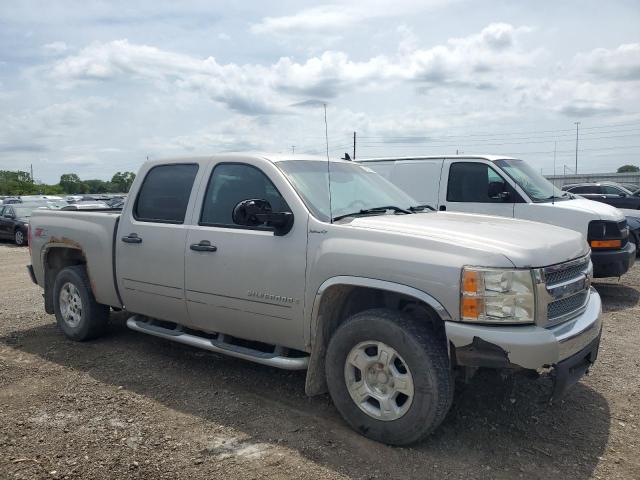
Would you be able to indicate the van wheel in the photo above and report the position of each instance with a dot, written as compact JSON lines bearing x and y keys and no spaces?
{"x":19,"y":237}
{"x":389,"y":376}
{"x":78,"y":314}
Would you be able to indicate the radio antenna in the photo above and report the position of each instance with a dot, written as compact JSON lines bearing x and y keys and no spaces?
{"x":555,"y":147}
{"x":326,"y":137}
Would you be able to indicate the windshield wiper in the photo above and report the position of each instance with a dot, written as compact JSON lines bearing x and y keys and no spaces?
{"x":421,"y":208}
{"x":370,"y":211}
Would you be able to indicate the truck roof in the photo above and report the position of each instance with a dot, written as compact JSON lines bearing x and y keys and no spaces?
{"x":238,"y":157}
{"x":491,"y":158}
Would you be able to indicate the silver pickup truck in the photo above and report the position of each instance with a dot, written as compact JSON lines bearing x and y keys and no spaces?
{"x":382,"y":301}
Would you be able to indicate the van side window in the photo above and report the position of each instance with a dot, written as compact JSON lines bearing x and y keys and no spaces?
{"x":231,"y":183}
{"x":165,"y":193}
{"x":475,"y":182}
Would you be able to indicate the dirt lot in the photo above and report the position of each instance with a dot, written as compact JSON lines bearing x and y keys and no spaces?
{"x":131,"y":406}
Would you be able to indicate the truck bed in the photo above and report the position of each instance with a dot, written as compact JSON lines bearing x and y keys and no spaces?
{"x":90,"y":232}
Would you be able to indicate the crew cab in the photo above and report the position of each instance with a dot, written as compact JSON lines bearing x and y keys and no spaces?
{"x":301,"y":263}
{"x":510,"y":187}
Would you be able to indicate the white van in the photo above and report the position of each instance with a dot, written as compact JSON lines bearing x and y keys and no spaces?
{"x":509,"y":187}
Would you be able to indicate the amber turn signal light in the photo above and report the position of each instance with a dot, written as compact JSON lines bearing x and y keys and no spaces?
{"x":606,"y":243}
{"x":471,"y":307}
{"x":470,"y":281}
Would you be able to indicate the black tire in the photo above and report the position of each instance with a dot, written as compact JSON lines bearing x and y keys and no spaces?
{"x":93,"y":316}
{"x":425,"y":354}
{"x":19,"y":237}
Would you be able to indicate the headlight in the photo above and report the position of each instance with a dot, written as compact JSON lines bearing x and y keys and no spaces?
{"x":492,"y":295}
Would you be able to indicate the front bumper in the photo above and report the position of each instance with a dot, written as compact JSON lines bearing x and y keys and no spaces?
{"x":529,"y":346}
{"x":613,"y":263}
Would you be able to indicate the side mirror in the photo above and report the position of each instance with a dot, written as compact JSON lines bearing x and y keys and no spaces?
{"x":496,"y":191}
{"x":256,"y":212}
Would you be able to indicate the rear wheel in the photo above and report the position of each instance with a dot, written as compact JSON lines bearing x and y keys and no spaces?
{"x":78,"y":314}
{"x":19,"y":237}
{"x":389,"y":377}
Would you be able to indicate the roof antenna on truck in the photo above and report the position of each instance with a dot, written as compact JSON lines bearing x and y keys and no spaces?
{"x":326,"y":137}
{"x":553,"y":194}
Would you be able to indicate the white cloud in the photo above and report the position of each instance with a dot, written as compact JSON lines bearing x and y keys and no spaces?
{"x":263,"y":89}
{"x":56,"y":47}
{"x":622,"y":63}
{"x":339,"y":16}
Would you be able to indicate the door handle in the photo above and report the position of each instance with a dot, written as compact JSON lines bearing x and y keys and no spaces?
{"x":203,"y":246}
{"x":132,"y":238}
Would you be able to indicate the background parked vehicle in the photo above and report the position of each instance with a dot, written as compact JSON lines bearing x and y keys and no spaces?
{"x":14,"y":222}
{"x":633,"y":220}
{"x":10,"y":200}
{"x":509,"y":187}
{"x":606,"y":192}
{"x":87,"y":205}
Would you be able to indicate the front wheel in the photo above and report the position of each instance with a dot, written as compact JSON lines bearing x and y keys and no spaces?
{"x":19,"y":238}
{"x":389,"y":376}
{"x":78,"y":314}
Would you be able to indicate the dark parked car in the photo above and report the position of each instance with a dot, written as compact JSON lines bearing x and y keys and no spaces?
{"x":633,"y":221}
{"x":14,"y":221}
{"x":606,"y":192}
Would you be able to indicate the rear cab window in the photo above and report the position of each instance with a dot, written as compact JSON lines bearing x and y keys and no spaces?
{"x":165,"y":192}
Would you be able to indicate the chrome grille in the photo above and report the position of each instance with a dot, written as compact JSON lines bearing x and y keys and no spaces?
{"x":566,"y":289}
{"x":566,"y":306}
{"x":559,"y":273}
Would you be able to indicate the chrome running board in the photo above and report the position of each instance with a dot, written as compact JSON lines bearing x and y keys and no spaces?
{"x":218,"y":344}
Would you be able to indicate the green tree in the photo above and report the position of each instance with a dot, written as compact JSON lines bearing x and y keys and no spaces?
{"x":98,"y":186}
{"x":71,"y":183}
{"x":628,"y":168}
{"x":16,"y":183}
{"x":121,"y":181}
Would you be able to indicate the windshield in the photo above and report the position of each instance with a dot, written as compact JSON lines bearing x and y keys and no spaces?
{"x":531,"y":181}
{"x":353,"y":188}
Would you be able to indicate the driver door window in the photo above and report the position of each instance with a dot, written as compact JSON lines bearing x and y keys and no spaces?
{"x":476,"y":187}
{"x":231,"y":183}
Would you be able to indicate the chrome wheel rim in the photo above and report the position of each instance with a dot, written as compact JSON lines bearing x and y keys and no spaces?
{"x":70,"y":305}
{"x":19,"y":237}
{"x":379,"y":380}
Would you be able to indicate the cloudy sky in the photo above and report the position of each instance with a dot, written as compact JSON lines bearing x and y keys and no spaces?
{"x":97,"y":86}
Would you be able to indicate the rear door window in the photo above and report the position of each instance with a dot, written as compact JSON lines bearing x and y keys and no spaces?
{"x":164,"y":194}
{"x":610,"y":190}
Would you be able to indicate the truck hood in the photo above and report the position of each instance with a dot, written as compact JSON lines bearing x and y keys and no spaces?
{"x":524,"y":243}
{"x":598,"y":210}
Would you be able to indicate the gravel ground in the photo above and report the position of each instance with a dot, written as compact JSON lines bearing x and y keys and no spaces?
{"x":132,"y":406}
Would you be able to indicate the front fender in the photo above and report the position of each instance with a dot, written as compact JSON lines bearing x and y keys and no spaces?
{"x":320,"y":331}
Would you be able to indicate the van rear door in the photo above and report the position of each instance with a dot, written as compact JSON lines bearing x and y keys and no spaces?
{"x":475,"y":186}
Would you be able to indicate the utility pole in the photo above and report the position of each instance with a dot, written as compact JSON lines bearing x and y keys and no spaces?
{"x":31,"y":165}
{"x":293,"y":149}
{"x":577,"y":125}
{"x":354,"y":145}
